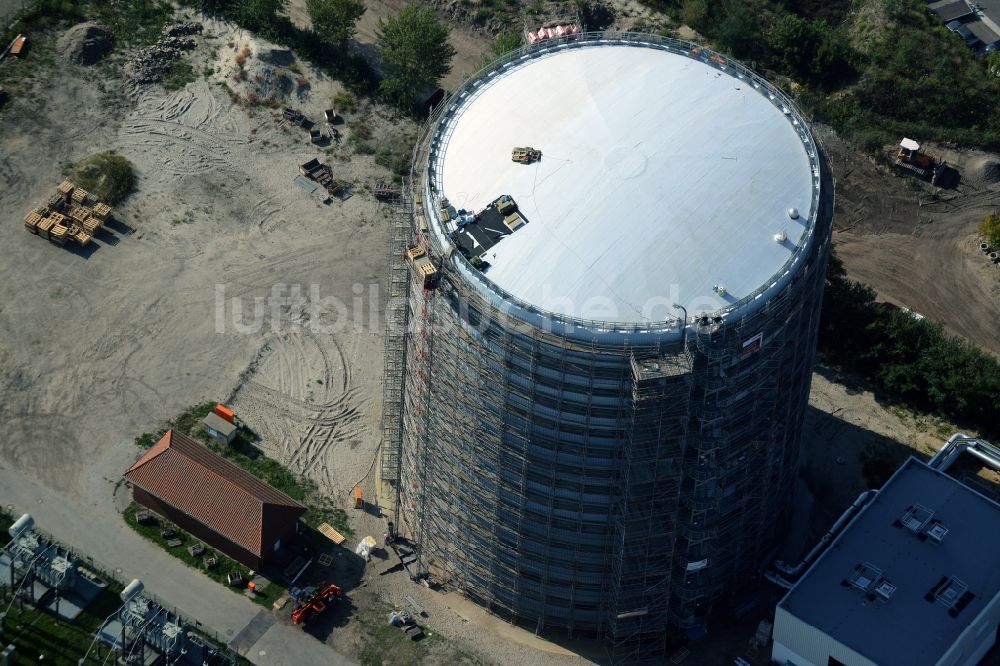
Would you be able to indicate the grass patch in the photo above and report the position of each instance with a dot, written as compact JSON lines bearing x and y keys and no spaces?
{"x":179,"y":74}
{"x":134,"y":22}
{"x":361,"y":137}
{"x":395,"y":153}
{"x":40,"y":637}
{"x":218,"y":573}
{"x":107,"y":176}
{"x":344,"y":102}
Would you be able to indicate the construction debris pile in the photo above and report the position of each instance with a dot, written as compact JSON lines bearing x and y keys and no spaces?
{"x":70,"y":214}
{"x":386,"y":190}
{"x":184,"y":28}
{"x":149,"y":64}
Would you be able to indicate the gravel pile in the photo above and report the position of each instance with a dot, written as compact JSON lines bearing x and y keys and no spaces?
{"x":268,"y":82}
{"x":86,"y":43}
{"x":148,"y":65}
{"x":983,"y":172}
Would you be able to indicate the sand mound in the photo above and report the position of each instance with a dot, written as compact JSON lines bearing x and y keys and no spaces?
{"x":983,"y":171}
{"x":86,"y":43}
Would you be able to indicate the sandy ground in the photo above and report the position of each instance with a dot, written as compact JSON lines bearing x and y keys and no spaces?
{"x":100,"y":346}
{"x":918,"y":254}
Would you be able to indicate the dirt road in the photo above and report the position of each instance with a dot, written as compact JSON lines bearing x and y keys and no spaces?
{"x":917,"y":253}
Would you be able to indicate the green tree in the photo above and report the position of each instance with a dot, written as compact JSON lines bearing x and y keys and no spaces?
{"x":990,"y":228}
{"x":739,"y":34}
{"x":335,"y":20}
{"x":258,"y":15}
{"x":596,"y":14}
{"x":796,"y":41}
{"x":695,"y":13}
{"x":809,"y":50}
{"x":413,"y":46}
{"x":993,"y":63}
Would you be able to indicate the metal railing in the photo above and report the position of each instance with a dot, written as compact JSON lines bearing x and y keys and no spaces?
{"x":437,"y":129}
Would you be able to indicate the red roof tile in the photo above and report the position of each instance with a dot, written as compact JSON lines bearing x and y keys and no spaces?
{"x":217,"y":493}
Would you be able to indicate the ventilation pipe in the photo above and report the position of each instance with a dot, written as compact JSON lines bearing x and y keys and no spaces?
{"x":960,"y":443}
{"x":957,"y":445}
{"x":794,"y":572}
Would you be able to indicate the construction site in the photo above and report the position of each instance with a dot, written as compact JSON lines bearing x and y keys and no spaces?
{"x":513,"y":428}
{"x":570,"y":323}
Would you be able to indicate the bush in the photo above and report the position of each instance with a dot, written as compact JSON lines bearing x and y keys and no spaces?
{"x":596,"y":14}
{"x":107,"y":176}
{"x":990,"y":228}
{"x":911,"y":360}
{"x":344,"y":102}
{"x":808,"y":50}
{"x":503,"y":43}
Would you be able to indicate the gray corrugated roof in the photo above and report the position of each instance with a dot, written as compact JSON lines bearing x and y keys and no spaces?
{"x":950,"y":11}
{"x":906,"y":629}
{"x":219,"y":424}
{"x":982,"y":31}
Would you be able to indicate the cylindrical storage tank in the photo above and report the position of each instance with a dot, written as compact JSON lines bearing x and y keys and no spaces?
{"x":604,"y":394}
{"x":21,"y":525}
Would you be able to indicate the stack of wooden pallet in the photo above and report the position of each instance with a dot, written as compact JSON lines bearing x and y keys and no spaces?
{"x":102,"y":211}
{"x":80,"y":196}
{"x":66,"y":190}
{"x":68,"y":215}
{"x":42,"y":229}
{"x":32,"y":219}
{"x":59,"y":230}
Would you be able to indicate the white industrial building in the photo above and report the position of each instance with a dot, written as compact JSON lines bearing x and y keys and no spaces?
{"x":912,"y":580}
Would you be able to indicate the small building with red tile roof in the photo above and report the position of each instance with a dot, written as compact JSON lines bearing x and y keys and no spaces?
{"x":215,"y":500}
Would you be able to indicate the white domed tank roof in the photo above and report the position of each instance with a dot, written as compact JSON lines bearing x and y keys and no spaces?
{"x":661,"y":176}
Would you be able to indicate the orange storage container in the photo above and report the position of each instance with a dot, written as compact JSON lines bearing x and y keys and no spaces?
{"x":358,"y":504}
{"x":224,"y":412}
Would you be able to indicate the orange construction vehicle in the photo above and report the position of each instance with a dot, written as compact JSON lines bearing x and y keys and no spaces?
{"x":317,"y":601}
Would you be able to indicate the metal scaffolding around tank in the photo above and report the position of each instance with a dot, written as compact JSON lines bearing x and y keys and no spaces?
{"x":605,"y":482}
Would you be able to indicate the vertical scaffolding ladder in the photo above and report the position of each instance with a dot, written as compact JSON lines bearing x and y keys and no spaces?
{"x":646,"y":511}
{"x":397,"y":320}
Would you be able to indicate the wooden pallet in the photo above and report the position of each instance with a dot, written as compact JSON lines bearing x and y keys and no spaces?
{"x":333,"y":535}
{"x":80,"y":213}
{"x":102,"y":211}
{"x":58,"y":234}
{"x":44,"y":225}
{"x":80,"y":195}
{"x":31,"y":221}
{"x":66,"y":189}
{"x":91,"y":225}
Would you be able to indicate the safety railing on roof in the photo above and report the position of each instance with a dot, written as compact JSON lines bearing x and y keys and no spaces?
{"x":436,"y":131}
